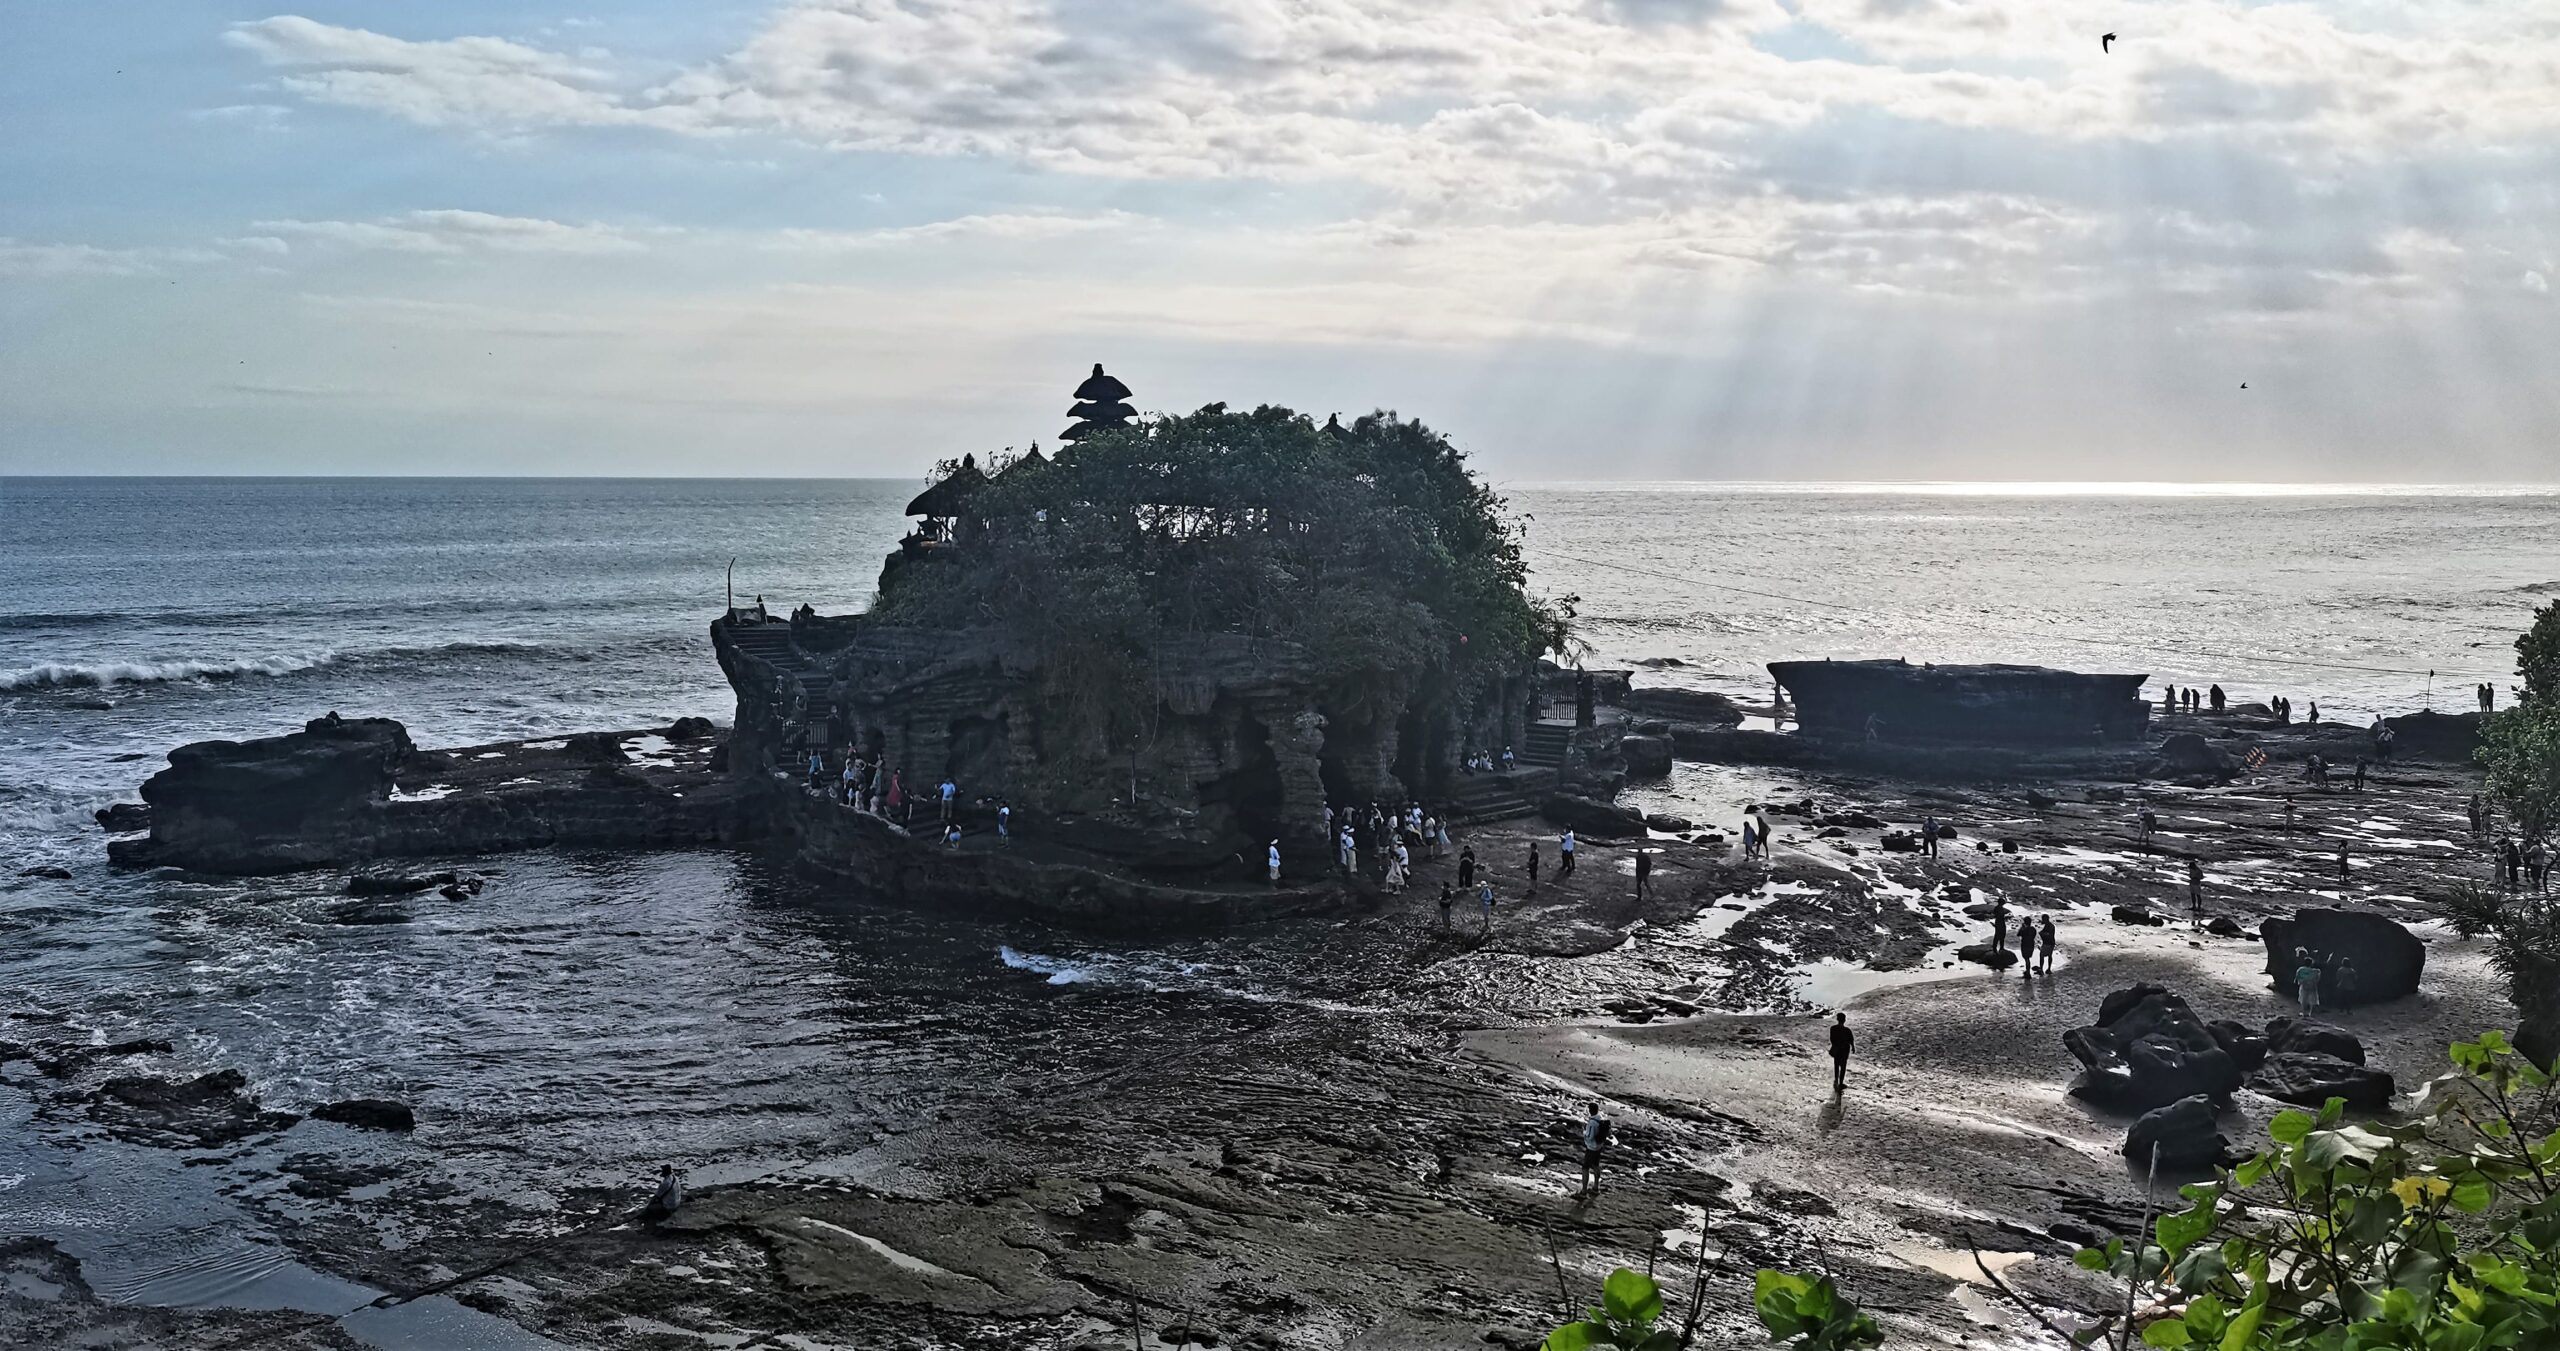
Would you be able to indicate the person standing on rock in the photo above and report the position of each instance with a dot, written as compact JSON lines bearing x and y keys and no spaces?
{"x":1999,"y":926}
{"x":1595,"y":1142}
{"x":1564,"y":854}
{"x":2044,"y":957}
{"x":1842,"y":1039}
{"x":1929,"y":836}
{"x":2026,"y":947}
{"x":2150,"y":823}
{"x":1644,"y":871}
{"x":2195,"y":887}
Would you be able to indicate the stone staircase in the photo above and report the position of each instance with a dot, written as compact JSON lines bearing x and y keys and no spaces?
{"x":1476,"y":798}
{"x":771,"y":644}
{"x":1546,"y":744}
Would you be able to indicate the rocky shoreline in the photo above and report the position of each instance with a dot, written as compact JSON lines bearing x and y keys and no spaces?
{"x":1395,"y":1176}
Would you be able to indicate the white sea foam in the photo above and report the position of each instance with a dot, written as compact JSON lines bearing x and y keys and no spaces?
{"x":65,"y":675}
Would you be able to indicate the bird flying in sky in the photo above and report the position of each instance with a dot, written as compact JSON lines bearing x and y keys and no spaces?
{"x":2106,"y":42}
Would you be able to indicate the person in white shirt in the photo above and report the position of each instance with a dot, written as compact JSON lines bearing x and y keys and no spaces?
{"x":1564,"y":847}
{"x":1275,"y":863}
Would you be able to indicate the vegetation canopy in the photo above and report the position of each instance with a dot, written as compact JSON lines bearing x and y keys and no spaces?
{"x":1370,"y":548}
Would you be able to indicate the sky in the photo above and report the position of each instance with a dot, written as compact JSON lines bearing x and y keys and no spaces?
{"x":1590,"y":239}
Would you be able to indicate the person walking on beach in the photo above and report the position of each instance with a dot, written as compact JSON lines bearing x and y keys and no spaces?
{"x":1760,"y":828}
{"x":1750,"y":838}
{"x":2215,"y":694}
{"x":1842,"y":1039}
{"x":2026,"y":947}
{"x":1466,"y":867}
{"x":2306,"y":980}
{"x":2195,"y":887}
{"x":1644,"y":871}
{"x":1533,"y":865}
{"x":2044,"y":929}
{"x":2360,"y":768}
{"x":1929,"y":836}
{"x":2342,"y":863}
{"x":1595,"y":1142}
{"x":2149,"y":823}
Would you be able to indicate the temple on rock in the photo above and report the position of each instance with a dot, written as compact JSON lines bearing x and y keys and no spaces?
{"x":1897,"y":701}
{"x":1173,"y":643}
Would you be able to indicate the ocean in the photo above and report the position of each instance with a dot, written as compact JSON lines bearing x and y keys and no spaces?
{"x":590,"y":1015}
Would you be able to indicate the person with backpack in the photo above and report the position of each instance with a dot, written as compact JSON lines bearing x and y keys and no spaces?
{"x":1595,"y":1143}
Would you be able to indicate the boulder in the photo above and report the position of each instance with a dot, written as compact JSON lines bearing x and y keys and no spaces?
{"x":2148,"y":1049}
{"x":373,"y":1114}
{"x":1667,"y":823}
{"x":2310,"y":1036}
{"x":2247,"y":1048}
{"x":2224,"y":926}
{"x":2311,"y":1080}
{"x":270,"y":805}
{"x":690,"y":729}
{"x":2134,"y":914}
{"x":1588,"y":816}
{"x":2190,"y":753}
{"x":2435,"y":736}
{"x":123,"y":818}
{"x":46,"y":871}
{"x":2388,"y":958}
{"x":1998,"y":959}
{"x":1647,"y":757}
{"x":1900,"y":842}
{"x":2186,"y":1134}
{"x":1679,"y":705}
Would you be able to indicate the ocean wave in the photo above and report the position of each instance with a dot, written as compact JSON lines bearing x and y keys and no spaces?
{"x":102,"y":674}
{"x":97,"y":675}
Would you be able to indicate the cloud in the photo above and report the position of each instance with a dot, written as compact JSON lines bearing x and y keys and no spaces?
{"x":2537,"y":283}
{"x":23,"y":258}
{"x":1015,"y":226}
{"x":466,"y":81}
{"x":458,"y":232}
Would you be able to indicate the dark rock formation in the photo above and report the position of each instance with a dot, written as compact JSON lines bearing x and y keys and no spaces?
{"x":691,"y":729}
{"x":124,"y":818}
{"x":268,"y":805}
{"x":373,"y":1114}
{"x":1588,"y":816}
{"x":1647,"y":757}
{"x":2309,"y":1036}
{"x":1668,"y":824}
{"x":2311,"y":1080}
{"x":1991,"y":703}
{"x":1997,"y":958}
{"x":2186,"y":1134}
{"x":2135,"y":914}
{"x":2388,"y":958}
{"x":205,"y":1111}
{"x":45,"y":871}
{"x":323,"y":797}
{"x":2435,"y":736}
{"x":2246,"y":1046}
{"x":2148,"y":1049}
{"x":1703,"y":707}
{"x":2224,"y":926}
{"x":2189,"y":753}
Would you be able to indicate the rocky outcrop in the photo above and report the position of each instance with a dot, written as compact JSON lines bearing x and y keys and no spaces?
{"x":2147,"y":1049}
{"x":1672,"y":704}
{"x":2435,"y":736}
{"x":2185,"y":753}
{"x":1646,"y":757}
{"x":274,"y":804}
{"x":373,"y":1114}
{"x":2309,"y":1036}
{"x":2311,"y":1080}
{"x":1986,"y":703}
{"x":2388,"y":959}
{"x":123,"y":818}
{"x":2186,"y":1135}
{"x":1589,"y":816}
{"x":2246,"y":1046}
{"x":202,"y":1112}
{"x":327,"y":797}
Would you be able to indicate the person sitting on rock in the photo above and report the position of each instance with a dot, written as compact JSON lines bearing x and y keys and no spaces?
{"x":667,"y":1199}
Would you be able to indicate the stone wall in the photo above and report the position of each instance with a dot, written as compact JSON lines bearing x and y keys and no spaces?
{"x":1989,"y":703}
